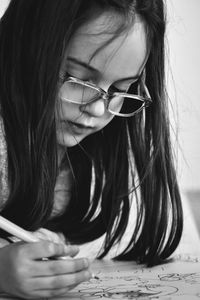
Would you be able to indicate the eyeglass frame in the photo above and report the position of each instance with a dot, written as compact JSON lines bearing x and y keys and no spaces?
{"x":107,"y":96}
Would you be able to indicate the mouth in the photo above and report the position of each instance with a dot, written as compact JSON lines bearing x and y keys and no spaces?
{"x":80,"y":126}
{"x":76,"y":128}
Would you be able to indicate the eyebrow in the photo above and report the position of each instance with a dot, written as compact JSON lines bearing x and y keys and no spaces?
{"x":91,"y":68}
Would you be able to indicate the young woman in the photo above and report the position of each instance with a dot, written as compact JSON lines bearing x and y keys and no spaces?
{"x":84,"y":138}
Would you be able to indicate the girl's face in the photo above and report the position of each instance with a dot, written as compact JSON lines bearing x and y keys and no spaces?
{"x":119,"y":63}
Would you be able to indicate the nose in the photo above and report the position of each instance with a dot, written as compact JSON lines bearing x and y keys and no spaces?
{"x":95,"y":109}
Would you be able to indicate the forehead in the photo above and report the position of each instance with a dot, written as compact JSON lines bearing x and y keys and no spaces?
{"x":97,"y":44}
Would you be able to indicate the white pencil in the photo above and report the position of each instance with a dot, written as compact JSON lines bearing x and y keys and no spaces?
{"x":17,"y":231}
{"x":22,"y":234}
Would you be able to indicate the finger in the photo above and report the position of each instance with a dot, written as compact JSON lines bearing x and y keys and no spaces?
{"x":70,"y":250}
{"x":41,"y":249}
{"x":61,"y":281}
{"x":3,"y":243}
{"x":73,"y":250}
{"x":46,"y":234}
{"x":56,"y":237}
{"x":62,"y":237}
{"x":58,"y":267}
{"x":53,"y":293}
{"x":41,"y":235}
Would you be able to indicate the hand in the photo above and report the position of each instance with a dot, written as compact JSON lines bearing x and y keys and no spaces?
{"x":45,"y":234}
{"x":3,"y":243}
{"x":25,"y":275}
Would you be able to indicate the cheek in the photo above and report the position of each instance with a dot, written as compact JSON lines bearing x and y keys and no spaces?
{"x":59,"y":110}
{"x":65,"y":111}
{"x":116,"y":104}
{"x":106,"y":120}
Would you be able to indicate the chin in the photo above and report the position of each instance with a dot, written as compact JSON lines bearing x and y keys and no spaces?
{"x":68,"y":140}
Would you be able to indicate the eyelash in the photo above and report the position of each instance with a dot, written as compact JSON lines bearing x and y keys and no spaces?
{"x":133,"y":85}
{"x":67,"y":74}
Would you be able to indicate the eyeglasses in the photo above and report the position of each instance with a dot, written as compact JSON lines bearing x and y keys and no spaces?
{"x":120,"y":104}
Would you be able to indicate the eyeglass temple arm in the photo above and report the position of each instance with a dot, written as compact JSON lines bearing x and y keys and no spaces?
{"x":143,"y":79}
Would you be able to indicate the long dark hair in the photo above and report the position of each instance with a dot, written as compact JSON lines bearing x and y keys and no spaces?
{"x":129,"y":160}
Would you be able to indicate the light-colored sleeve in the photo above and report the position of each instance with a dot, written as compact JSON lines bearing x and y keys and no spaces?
{"x":3,"y":174}
{"x":3,"y":167}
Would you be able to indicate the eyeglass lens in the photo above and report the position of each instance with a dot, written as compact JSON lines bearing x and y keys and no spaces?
{"x":79,"y":93}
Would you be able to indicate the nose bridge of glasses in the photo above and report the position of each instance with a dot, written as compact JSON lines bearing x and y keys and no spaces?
{"x":102,"y":92}
{"x":105,"y":96}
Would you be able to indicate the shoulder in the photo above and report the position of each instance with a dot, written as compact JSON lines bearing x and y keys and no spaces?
{"x":3,"y":166}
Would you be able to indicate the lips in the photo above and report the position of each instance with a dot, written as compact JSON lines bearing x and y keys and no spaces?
{"x":75,"y":128}
{"x":81,"y":126}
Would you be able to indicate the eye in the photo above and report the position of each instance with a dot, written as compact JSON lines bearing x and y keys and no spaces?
{"x":127,"y":88}
{"x":66,"y":74}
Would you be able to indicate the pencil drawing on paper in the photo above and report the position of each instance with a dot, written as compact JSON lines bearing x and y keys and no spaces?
{"x":146,"y":285}
{"x":142,"y":284}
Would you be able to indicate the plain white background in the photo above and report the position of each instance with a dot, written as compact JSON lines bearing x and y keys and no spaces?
{"x":183,"y":67}
{"x":184,"y":59}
